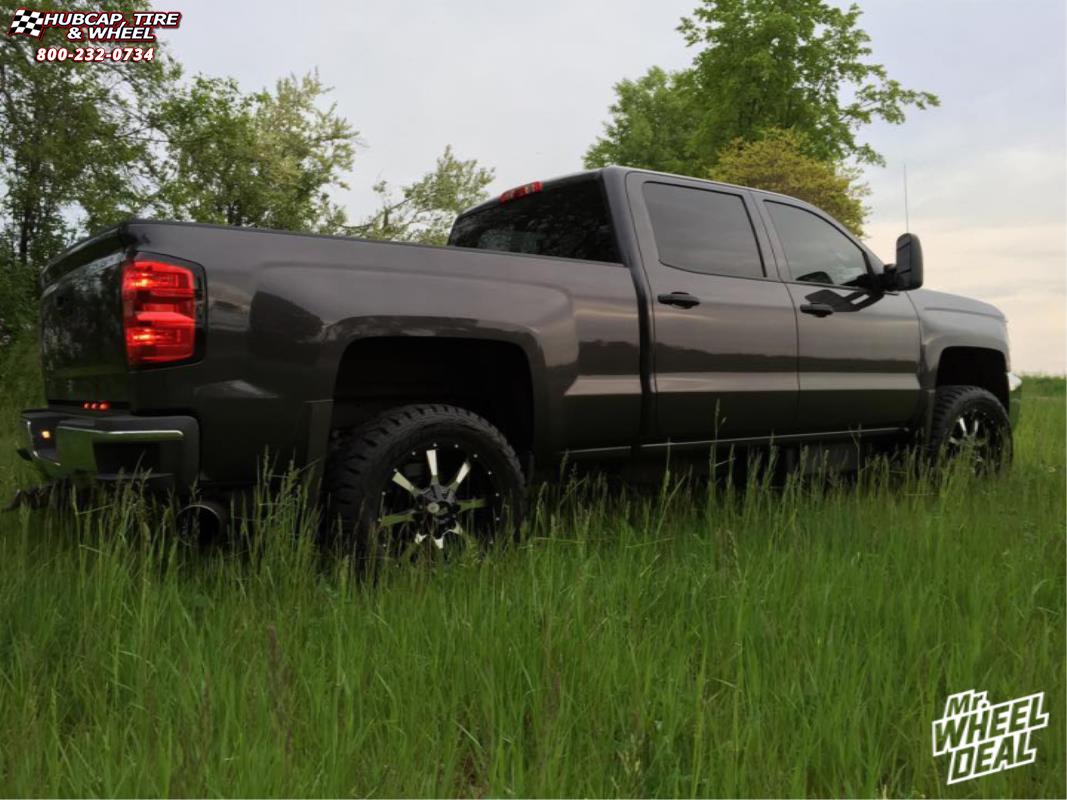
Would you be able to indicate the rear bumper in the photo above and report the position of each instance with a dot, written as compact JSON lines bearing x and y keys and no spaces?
{"x":165,"y":451}
{"x":1015,"y":397}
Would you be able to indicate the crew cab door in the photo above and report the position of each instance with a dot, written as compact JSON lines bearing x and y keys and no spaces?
{"x":858,"y":346}
{"x":724,"y":340}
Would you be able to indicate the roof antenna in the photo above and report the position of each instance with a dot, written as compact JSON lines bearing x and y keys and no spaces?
{"x":907,"y":224}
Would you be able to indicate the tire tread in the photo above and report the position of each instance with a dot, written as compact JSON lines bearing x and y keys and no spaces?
{"x":356,"y":453}
{"x":949,"y":401}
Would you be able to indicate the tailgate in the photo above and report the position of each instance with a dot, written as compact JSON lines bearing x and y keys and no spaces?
{"x":83,"y":351}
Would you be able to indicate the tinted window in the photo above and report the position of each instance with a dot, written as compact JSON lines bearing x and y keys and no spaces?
{"x":568,"y":221}
{"x":817,"y":252}
{"x":703,"y":231}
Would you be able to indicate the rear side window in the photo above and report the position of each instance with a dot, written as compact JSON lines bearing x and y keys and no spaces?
{"x":703,"y":231}
{"x":568,"y":221}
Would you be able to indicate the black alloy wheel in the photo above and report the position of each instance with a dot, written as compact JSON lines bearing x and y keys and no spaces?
{"x":422,"y":481}
{"x":969,"y":422}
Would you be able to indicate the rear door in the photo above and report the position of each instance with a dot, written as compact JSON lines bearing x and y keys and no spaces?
{"x":858,"y":346}
{"x":723,"y":325}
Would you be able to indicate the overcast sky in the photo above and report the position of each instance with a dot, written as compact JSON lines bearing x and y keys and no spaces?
{"x":525,"y":88}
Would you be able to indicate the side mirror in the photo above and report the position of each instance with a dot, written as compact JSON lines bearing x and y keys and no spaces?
{"x":909,"y":267}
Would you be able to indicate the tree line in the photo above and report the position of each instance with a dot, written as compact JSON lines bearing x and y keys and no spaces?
{"x":775,"y":97}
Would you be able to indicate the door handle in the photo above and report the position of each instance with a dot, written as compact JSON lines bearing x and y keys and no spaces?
{"x":818,"y":309}
{"x":680,"y":299}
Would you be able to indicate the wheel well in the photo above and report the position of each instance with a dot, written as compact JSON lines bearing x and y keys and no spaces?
{"x":974,"y":366}
{"x":489,"y":378}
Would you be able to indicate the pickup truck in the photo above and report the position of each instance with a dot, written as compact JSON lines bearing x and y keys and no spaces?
{"x":610,"y":314}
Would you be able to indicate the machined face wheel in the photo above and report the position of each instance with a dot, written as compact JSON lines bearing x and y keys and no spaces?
{"x":439,"y":497}
{"x":421,"y":481}
{"x":977,"y":434}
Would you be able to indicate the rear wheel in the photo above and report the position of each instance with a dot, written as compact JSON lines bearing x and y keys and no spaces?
{"x":421,"y":481}
{"x":969,"y":422}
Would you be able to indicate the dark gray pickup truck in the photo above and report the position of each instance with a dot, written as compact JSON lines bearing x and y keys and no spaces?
{"x":614,"y":314}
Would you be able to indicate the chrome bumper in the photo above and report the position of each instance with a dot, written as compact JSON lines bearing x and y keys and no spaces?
{"x":108,"y":446}
{"x":1015,"y":394}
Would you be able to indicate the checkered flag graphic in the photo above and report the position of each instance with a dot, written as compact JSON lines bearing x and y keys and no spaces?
{"x":27,"y":22}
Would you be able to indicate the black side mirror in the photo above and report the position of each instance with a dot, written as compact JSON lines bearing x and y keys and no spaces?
{"x":909,"y":267}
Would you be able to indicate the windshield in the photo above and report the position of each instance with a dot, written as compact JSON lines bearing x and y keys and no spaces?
{"x":566,"y":221}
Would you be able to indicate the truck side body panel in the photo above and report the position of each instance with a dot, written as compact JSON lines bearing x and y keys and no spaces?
{"x":858,"y":365}
{"x":727,"y":366}
{"x":616,"y":365}
{"x":282,"y":309}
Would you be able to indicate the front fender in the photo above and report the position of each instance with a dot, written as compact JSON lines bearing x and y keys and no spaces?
{"x":947,"y":320}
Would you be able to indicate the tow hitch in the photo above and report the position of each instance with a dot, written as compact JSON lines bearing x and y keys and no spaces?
{"x":35,"y":497}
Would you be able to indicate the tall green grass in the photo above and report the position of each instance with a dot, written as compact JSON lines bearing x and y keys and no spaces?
{"x":788,"y":641}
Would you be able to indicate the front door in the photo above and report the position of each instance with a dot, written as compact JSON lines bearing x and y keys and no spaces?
{"x":859,"y":346}
{"x":723,"y":324}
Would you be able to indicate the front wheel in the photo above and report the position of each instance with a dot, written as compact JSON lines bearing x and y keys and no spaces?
{"x":969,"y":422}
{"x":421,"y":480}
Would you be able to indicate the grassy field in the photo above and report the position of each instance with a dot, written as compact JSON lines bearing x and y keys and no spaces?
{"x":794,"y":641}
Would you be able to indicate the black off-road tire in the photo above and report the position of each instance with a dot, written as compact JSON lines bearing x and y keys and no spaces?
{"x":991,"y":448}
{"x":360,"y":468}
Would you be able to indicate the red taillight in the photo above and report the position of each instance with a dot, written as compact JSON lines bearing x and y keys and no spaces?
{"x":158,"y":312}
{"x":520,"y":191}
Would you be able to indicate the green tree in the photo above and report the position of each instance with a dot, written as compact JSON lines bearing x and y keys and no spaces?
{"x":802,"y":65}
{"x":423,"y":211}
{"x":78,"y":150}
{"x":266,"y":160}
{"x":77,"y":143}
{"x":652,"y":123}
{"x":779,"y":162}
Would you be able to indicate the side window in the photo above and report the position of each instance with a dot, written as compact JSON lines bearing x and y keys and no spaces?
{"x":817,"y":252}
{"x":703,"y":231}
